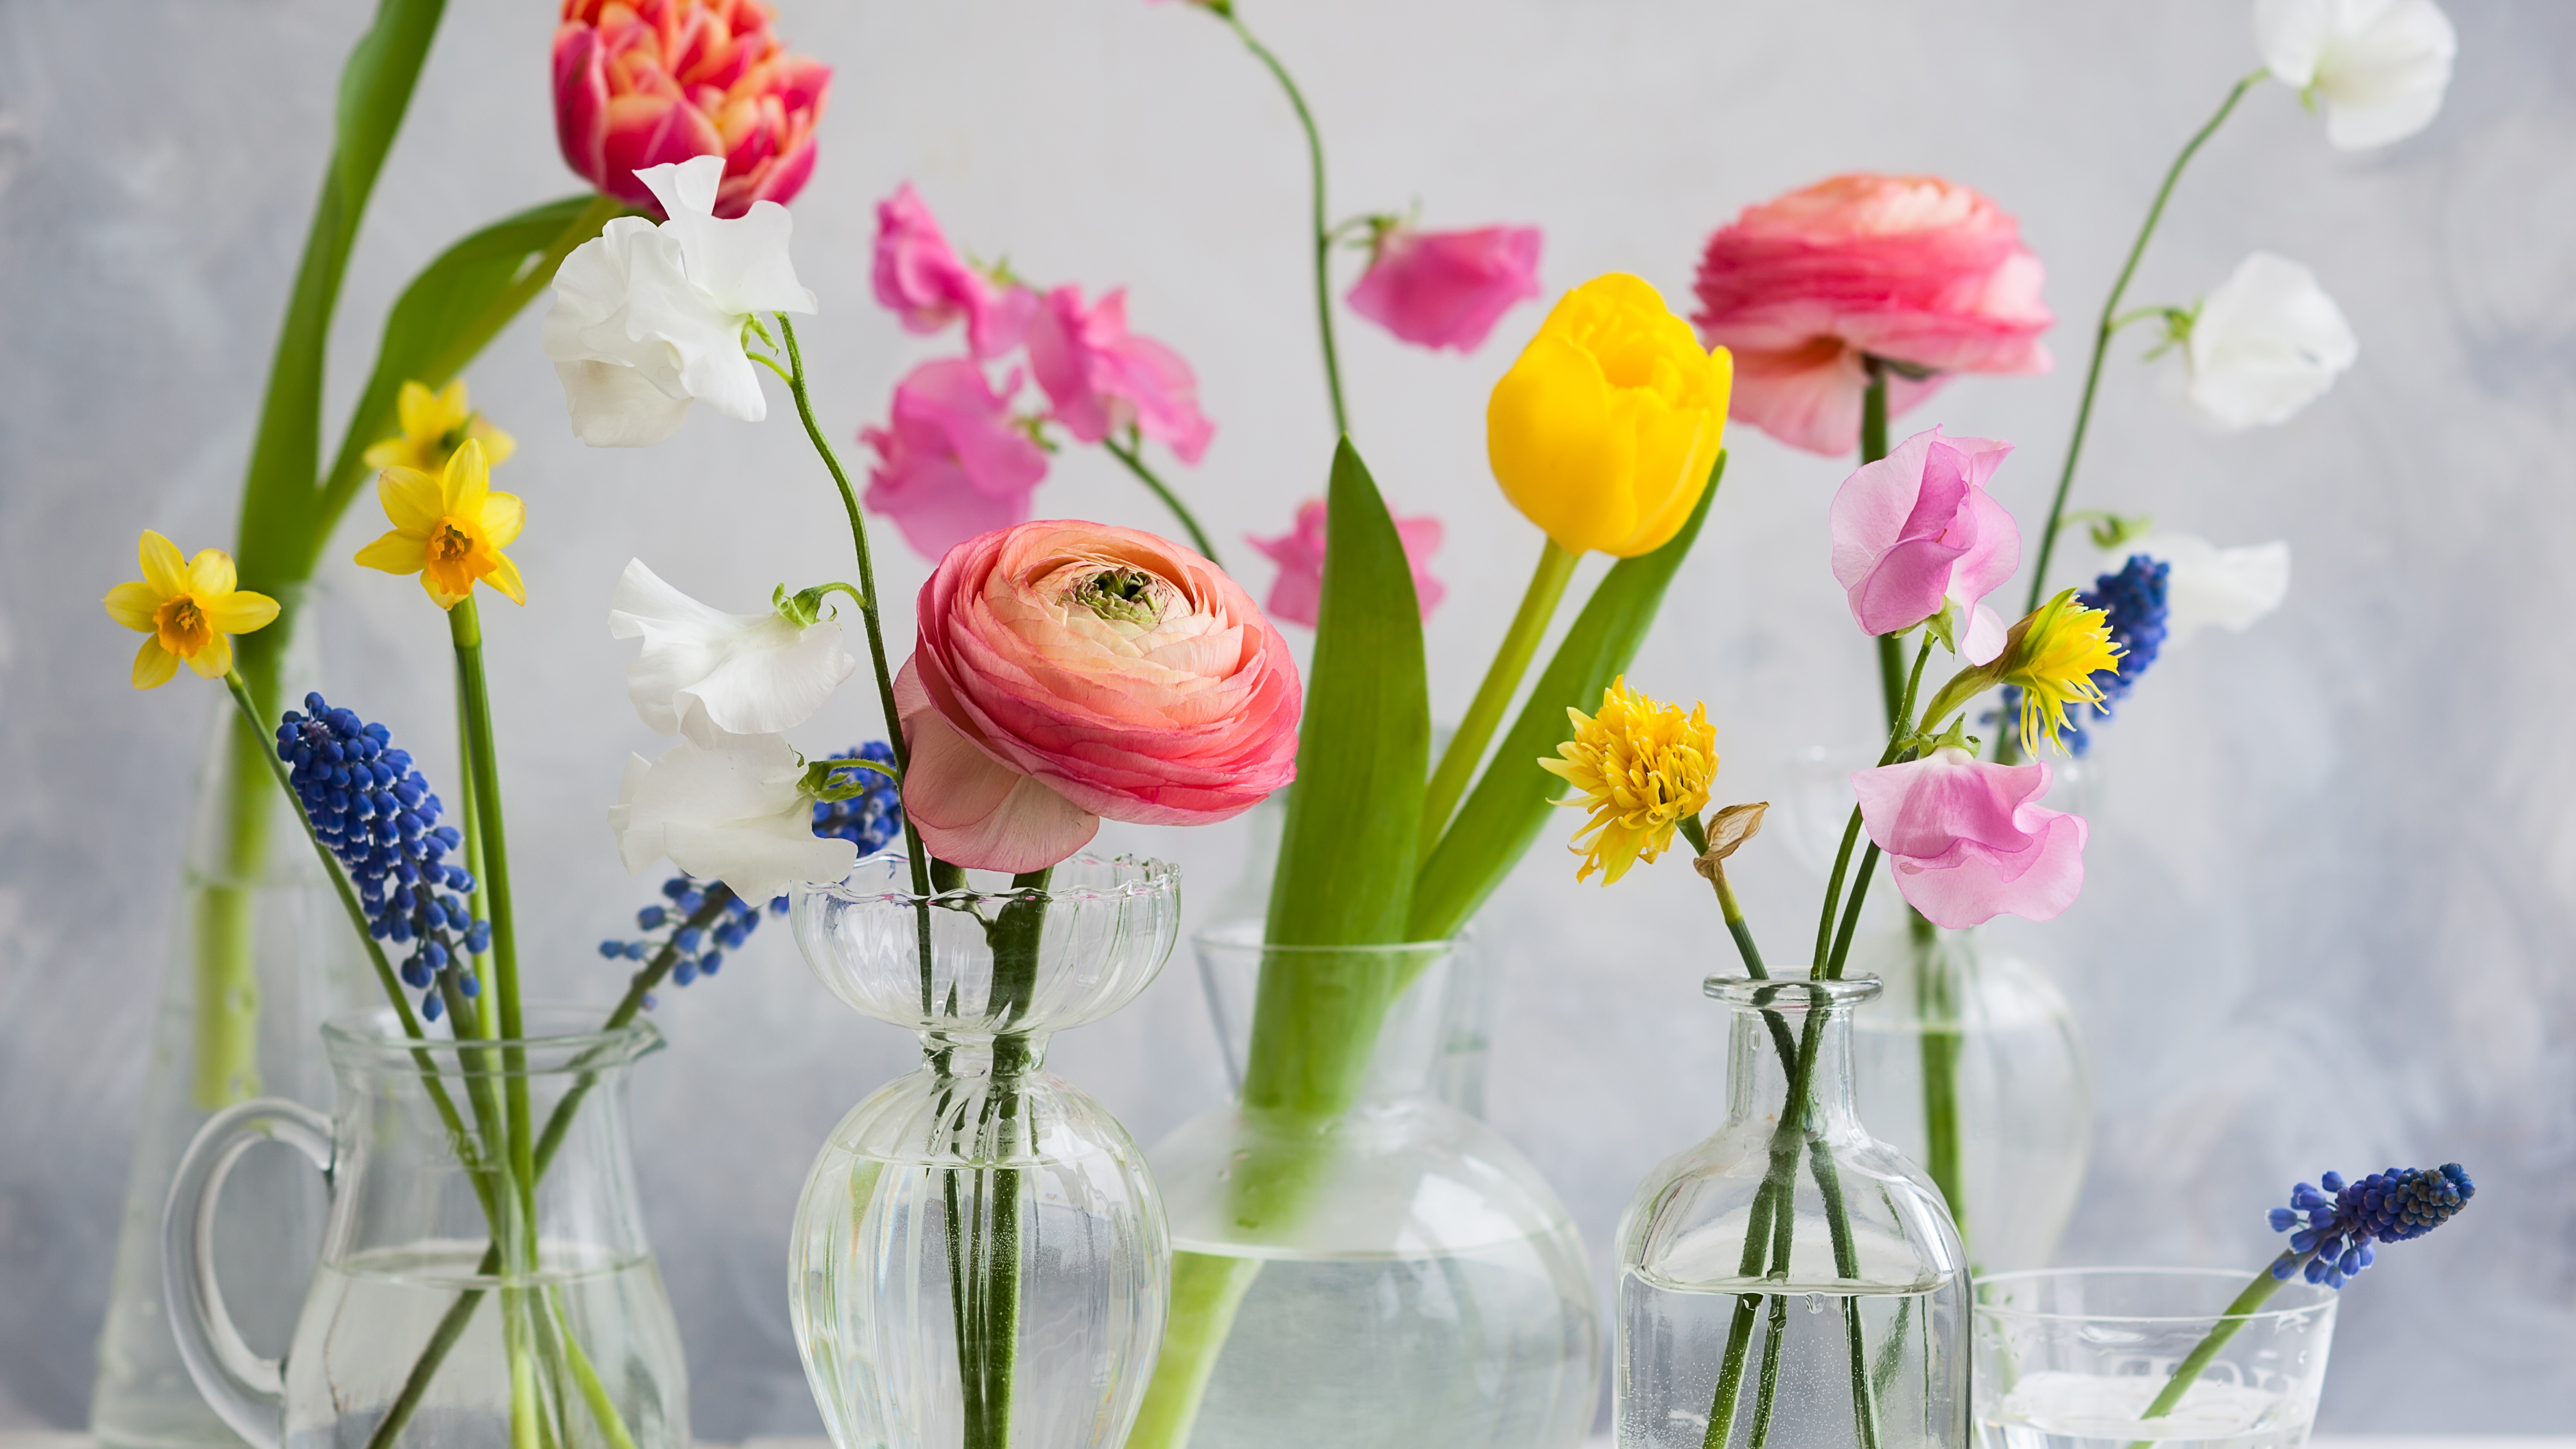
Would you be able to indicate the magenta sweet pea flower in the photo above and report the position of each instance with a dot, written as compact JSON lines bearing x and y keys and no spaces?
{"x":1917,"y":530}
{"x":919,"y":278}
{"x":1297,"y":596}
{"x":1104,"y":379}
{"x":950,"y":465}
{"x":1447,"y":288}
{"x":1967,"y":841}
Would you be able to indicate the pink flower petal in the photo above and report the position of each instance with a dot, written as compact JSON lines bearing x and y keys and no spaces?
{"x":1967,"y":840}
{"x":970,"y":809}
{"x":1448,"y":288}
{"x":950,"y":463}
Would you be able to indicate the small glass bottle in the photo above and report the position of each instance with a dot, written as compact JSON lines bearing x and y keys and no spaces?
{"x":1791,"y":1281}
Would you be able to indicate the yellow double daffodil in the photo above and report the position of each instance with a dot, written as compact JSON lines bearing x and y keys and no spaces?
{"x":1641,"y":768}
{"x":1603,"y":433}
{"x":449,"y":529}
{"x":190,"y":609}
{"x":434,"y":426}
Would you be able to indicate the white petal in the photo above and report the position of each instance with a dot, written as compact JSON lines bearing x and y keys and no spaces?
{"x":2290,"y":35}
{"x":704,"y":673}
{"x":762,"y":859}
{"x":744,"y":264}
{"x":618,"y":407}
{"x":2383,"y":73}
{"x":732,"y":813}
{"x":663,"y":305}
{"x":685,"y":188}
{"x":2266,"y":343}
{"x":2208,"y":585}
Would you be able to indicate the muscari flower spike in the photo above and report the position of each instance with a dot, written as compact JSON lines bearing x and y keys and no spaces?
{"x":376,"y":814}
{"x":2135,"y":600}
{"x":2333,"y":1223}
{"x":685,"y":921}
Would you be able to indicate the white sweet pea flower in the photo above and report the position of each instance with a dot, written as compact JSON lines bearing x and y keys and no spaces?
{"x":647,"y":318}
{"x":2267,"y":343}
{"x":2206,"y":584}
{"x":734,"y":813}
{"x":706,"y":673}
{"x":2380,"y":66}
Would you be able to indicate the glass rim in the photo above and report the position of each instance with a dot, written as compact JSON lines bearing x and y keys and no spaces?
{"x":376,"y":1032}
{"x":1160,"y":877}
{"x":1790,"y":993}
{"x":1231,"y":936}
{"x":2225,"y":1277}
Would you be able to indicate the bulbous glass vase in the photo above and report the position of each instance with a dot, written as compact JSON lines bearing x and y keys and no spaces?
{"x":1971,"y":1064}
{"x":979,"y":1259}
{"x":1791,"y":1281}
{"x":1384,"y":1270}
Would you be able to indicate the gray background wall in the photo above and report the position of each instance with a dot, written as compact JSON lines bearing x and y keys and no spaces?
{"x":2331,"y":888}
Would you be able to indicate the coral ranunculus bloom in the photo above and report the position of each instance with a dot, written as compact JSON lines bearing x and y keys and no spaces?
{"x":1914,"y":270}
{"x":640,"y":83}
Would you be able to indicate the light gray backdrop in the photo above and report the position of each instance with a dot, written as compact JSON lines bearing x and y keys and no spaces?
{"x":2329,"y":909}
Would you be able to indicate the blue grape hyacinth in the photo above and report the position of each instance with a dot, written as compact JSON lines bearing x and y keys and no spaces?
{"x":2332,"y":1224}
{"x":686,"y":934}
{"x":376,"y":815}
{"x":2136,"y":599}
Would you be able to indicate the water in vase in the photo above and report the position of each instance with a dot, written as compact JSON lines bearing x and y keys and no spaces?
{"x":2059,"y":1410}
{"x":1676,"y":1337}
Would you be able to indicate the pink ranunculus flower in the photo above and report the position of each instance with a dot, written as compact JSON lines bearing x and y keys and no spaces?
{"x":1298,"y":595}
{"x":1917,"y":530}
{"x":1070,"y":670}
{"x":949,"y":463}
{"x":639,"y":83}
{"x":1914,"y":270}
{"x":1967,"y":840}
{"x":920,"y":279}
{"x":1104,"y":379}
{"x":1447,"y":288}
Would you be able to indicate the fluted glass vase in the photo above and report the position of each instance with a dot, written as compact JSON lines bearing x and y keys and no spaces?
{"x":1792,"y":1281}
{"x":1971,"y":1064}
{"x":1361,"y":1263}
{"x":979,"y":1259}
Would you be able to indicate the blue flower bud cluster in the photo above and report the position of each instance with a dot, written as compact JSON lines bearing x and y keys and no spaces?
{"x":870,"y":818}
{"x":377,"y":815}
{"x":2332,"y":1224}
{"x":2135,"y":598}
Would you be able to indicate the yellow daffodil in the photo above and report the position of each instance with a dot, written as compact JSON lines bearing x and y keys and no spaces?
{"x":434,"y":425}
{"x":1641,"y":768}
{"x":190,"y":609}
{"x":2051,"y":657}
{"x":1604,"y":430}
{"x":449,"y":529}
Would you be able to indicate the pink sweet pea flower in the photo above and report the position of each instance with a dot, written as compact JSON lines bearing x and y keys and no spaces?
{"x":1447,"y":288}
{"x":1104,"y":379}
{"x":919,"y":279}
{"x":950,"y":465}
{"x":1967,"y":840}
{"x":1910,"y":269}
{"x":1917,"y":530}
{"x":1069,"y":671}
{"x":1298,"y":595}
{"x":639,"y":83}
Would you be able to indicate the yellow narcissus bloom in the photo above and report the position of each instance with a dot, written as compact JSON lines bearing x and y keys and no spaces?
{"x":449,"y":529}
{"x":434,"y":425}
{"x":190,"y":609}
{"x":1603,"y":433}
{"x":2051,"y":657}
{"x":1641,"y":768}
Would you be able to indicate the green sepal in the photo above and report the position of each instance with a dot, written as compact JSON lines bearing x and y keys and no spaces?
{"x":804,"y":608}
{"x":823,"y":780}
{"x":1510,"y":804}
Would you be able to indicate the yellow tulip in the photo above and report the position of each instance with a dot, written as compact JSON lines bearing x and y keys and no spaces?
{"x":1603,"y":433}
{"x":188,"y":608}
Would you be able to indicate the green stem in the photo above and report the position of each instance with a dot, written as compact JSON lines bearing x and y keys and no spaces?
{"x":988,"y":1347}
{"x":2187,"y":1372}
{"x":1820,"y":1164}
{"x":2110,"y":325}
{"x":1873,"y":413}
{"x":1936,"y":1017}
{"x":1502,"y":681}
{"x":1322,"y":233}
{"x":465,"y":628}
{"x":469,"y":819}
{"x":1131,"y":453}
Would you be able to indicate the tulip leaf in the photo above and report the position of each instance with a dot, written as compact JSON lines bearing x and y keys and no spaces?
{"x":1346,"y":857}
{"x":456,"y":305}
{"x":1511,"y":803}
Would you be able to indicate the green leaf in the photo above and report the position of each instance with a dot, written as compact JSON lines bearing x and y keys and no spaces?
{"x":375,"y":89}
{"x":1346,"y":858}
{"x":455,"y":307}
{"x":1512,"y":803}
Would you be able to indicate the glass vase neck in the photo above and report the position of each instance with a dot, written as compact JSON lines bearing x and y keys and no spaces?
{"x":1789,"y":1052}
{"x":1006,"y":1058}
{"x":1408,"y":1009}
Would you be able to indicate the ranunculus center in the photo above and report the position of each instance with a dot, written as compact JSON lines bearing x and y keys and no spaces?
{"x":1123,"y":596}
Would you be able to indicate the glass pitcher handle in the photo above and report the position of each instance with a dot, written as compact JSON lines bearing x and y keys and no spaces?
{"x":246,"y":1390}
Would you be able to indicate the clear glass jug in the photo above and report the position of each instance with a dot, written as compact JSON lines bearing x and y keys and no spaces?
{"x":484,"y":1276}
{"x":1791,"y":1281}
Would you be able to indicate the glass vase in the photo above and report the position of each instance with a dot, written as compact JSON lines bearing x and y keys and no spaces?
{"x":979,"y":1258}
{"x":1972,"y":1065}
{"x":1358,"y":1262}
{"x":2076,"y":1359}
{"x":1791,"y":1281}
{"x":484,"y":1277}
{"x":261,"y":955}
